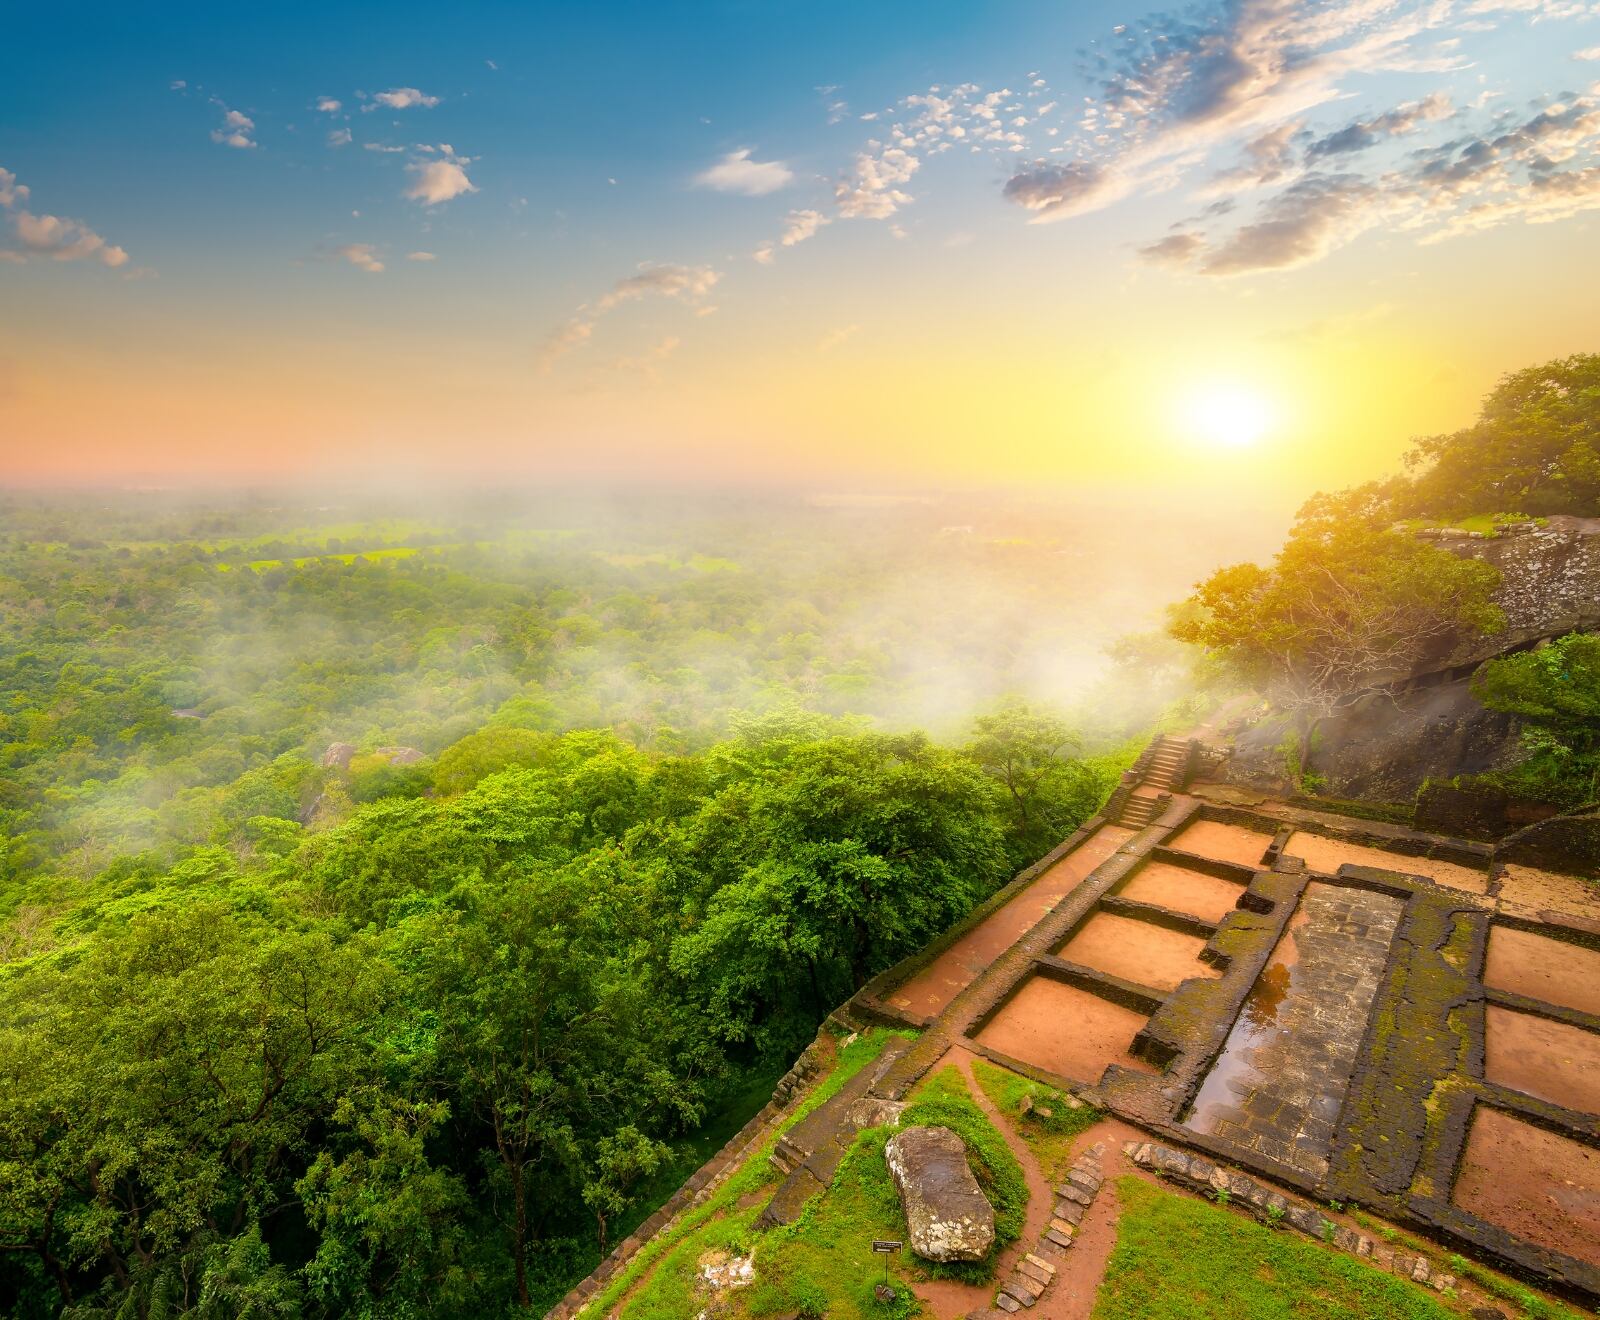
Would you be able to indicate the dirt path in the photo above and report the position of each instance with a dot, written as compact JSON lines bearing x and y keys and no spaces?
{"x":1071,"y":1297}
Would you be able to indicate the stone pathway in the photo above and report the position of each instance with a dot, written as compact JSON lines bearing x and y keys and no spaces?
{"x":1036,"y":1271}
{"x":1279,"y":1083}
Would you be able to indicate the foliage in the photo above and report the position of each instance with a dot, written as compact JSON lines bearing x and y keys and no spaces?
{"x":1181,"y":1257}
{"x":1028,"y":753}
{"x":1346,"y":607}
{"x":1535,"y":446}
{"x":384,"y":935}
{"x":1555,"y":692}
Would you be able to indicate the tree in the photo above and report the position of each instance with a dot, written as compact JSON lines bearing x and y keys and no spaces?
{"x":1555,"y":692}
{"x":1027,"y":753}
{"x":1535,"y":448}
{"x":538,"y":1040}
{"x":621,"y":1159}
{"x":1346,"y":609}
{"x":828,"y":863}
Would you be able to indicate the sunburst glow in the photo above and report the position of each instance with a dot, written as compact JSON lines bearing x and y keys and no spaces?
{"x":1227,"y":416}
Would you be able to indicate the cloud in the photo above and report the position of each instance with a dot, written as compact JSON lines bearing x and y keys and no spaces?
{"x":648,"y":363}
{"x":738,"y":173}
{"x":871,"y":191}
{"x":50,"y":237}
{"x":1537,"y":169}
{"x":1177,"y":87}
{"x":59,"y":239}
{"x":237,"y":129}
{"x":798,"y":226}
{"x":328,"y":105}
{"x":1304,"y":222}
{"x":1363,"y":133}
{"x":177,"y":85}
{"x":400,"y":98}
{"x":420,"y":256}
{"x":339,"y":137}
{"x":834,"y":338}
{"x":363,"y":255}
{"x":687,"y":284}
{"x":438,"y":180}
{"x":1054,"y":192}
{"x":1173,"y":250}
{"x":1588,"y":53}
{"x":1269,"y":158}
{"x":11,"y":192}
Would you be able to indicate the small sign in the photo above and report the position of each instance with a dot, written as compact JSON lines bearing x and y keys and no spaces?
{"x":885,"y":1245}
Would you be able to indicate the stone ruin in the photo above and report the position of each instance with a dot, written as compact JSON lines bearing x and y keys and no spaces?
{"x":1359,"y":1012}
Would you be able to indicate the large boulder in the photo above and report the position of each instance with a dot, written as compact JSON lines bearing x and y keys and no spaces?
{"x":948,"y":1215}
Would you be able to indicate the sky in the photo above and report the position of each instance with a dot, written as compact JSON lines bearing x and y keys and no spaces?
{"x":1218,"y":251}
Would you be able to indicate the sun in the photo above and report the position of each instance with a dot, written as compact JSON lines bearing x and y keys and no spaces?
{"x":1226,"y":416}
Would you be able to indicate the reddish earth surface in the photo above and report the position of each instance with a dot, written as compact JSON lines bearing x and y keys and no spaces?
{"x":1169,"y":886}
{"x":931,"y":989}
{"x":1328,"y":855}
{"x":1542,"y":968}
{"x":1137,"y":951}
{"x":1537,"y":1184}
{"x":1071,"y":1295}
{"x":946,"y":1298}
{"x":1223,"y":843}
{"x":1545,"y":891}
{"x":1552,"y":1060}
{"x":1066,"y":1030}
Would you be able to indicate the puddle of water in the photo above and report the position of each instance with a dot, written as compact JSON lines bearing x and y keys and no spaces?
{"x":1256,"y":1027}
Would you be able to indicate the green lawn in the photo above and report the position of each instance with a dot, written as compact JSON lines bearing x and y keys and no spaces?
{"x":1180,"y":1258}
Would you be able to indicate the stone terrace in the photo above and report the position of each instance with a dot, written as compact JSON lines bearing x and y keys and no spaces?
{"x":1334,"y":1029}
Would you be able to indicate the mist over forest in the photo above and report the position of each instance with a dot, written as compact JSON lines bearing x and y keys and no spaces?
{"x":231,"y":630}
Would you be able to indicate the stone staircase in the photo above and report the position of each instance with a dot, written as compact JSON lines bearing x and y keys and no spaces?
{"x":1161,"y":772}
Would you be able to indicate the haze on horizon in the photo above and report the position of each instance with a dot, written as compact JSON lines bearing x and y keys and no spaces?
{"x":1240,"y":252}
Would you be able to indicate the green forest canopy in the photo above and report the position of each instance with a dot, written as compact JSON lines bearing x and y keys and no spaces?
{"x":396,"y":1035}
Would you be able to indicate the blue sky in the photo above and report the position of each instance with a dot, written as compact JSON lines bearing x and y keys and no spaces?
{"x":605,"y":220}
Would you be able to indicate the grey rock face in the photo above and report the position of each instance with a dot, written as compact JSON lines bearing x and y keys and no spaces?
{"x":948,"y":1215}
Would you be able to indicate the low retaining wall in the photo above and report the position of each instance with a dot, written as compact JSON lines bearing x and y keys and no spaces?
{"x":698,"y":1186}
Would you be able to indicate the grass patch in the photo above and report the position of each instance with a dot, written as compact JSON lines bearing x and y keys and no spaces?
{"x":1052,"y":1121}
{"x":1529,"y":1303}
{"x":943,"y":1100}
{"x":1178,"y":1258}
{"x":822,"y":1264}
{"x":719,"y":1223}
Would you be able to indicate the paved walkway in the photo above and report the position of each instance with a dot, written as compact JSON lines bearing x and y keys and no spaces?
{"x":1279,"y":1083}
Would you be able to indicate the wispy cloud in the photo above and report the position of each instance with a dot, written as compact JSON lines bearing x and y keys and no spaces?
{"x":420,"y":256}
{"x":689,"y":284}
{"x":738,"y":172}
{"x":834,"y":338}
{"x":339,"y":137}
{"x":648,"y":363}
{"x":798,"y":226}
{"x":328,"y":105}
{"x":1537,"y":168}
{"x":50,"y":237}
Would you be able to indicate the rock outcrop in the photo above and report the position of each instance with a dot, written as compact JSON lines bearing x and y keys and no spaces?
{"x":947,"y":1213}
{"x":1427,"y":724}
